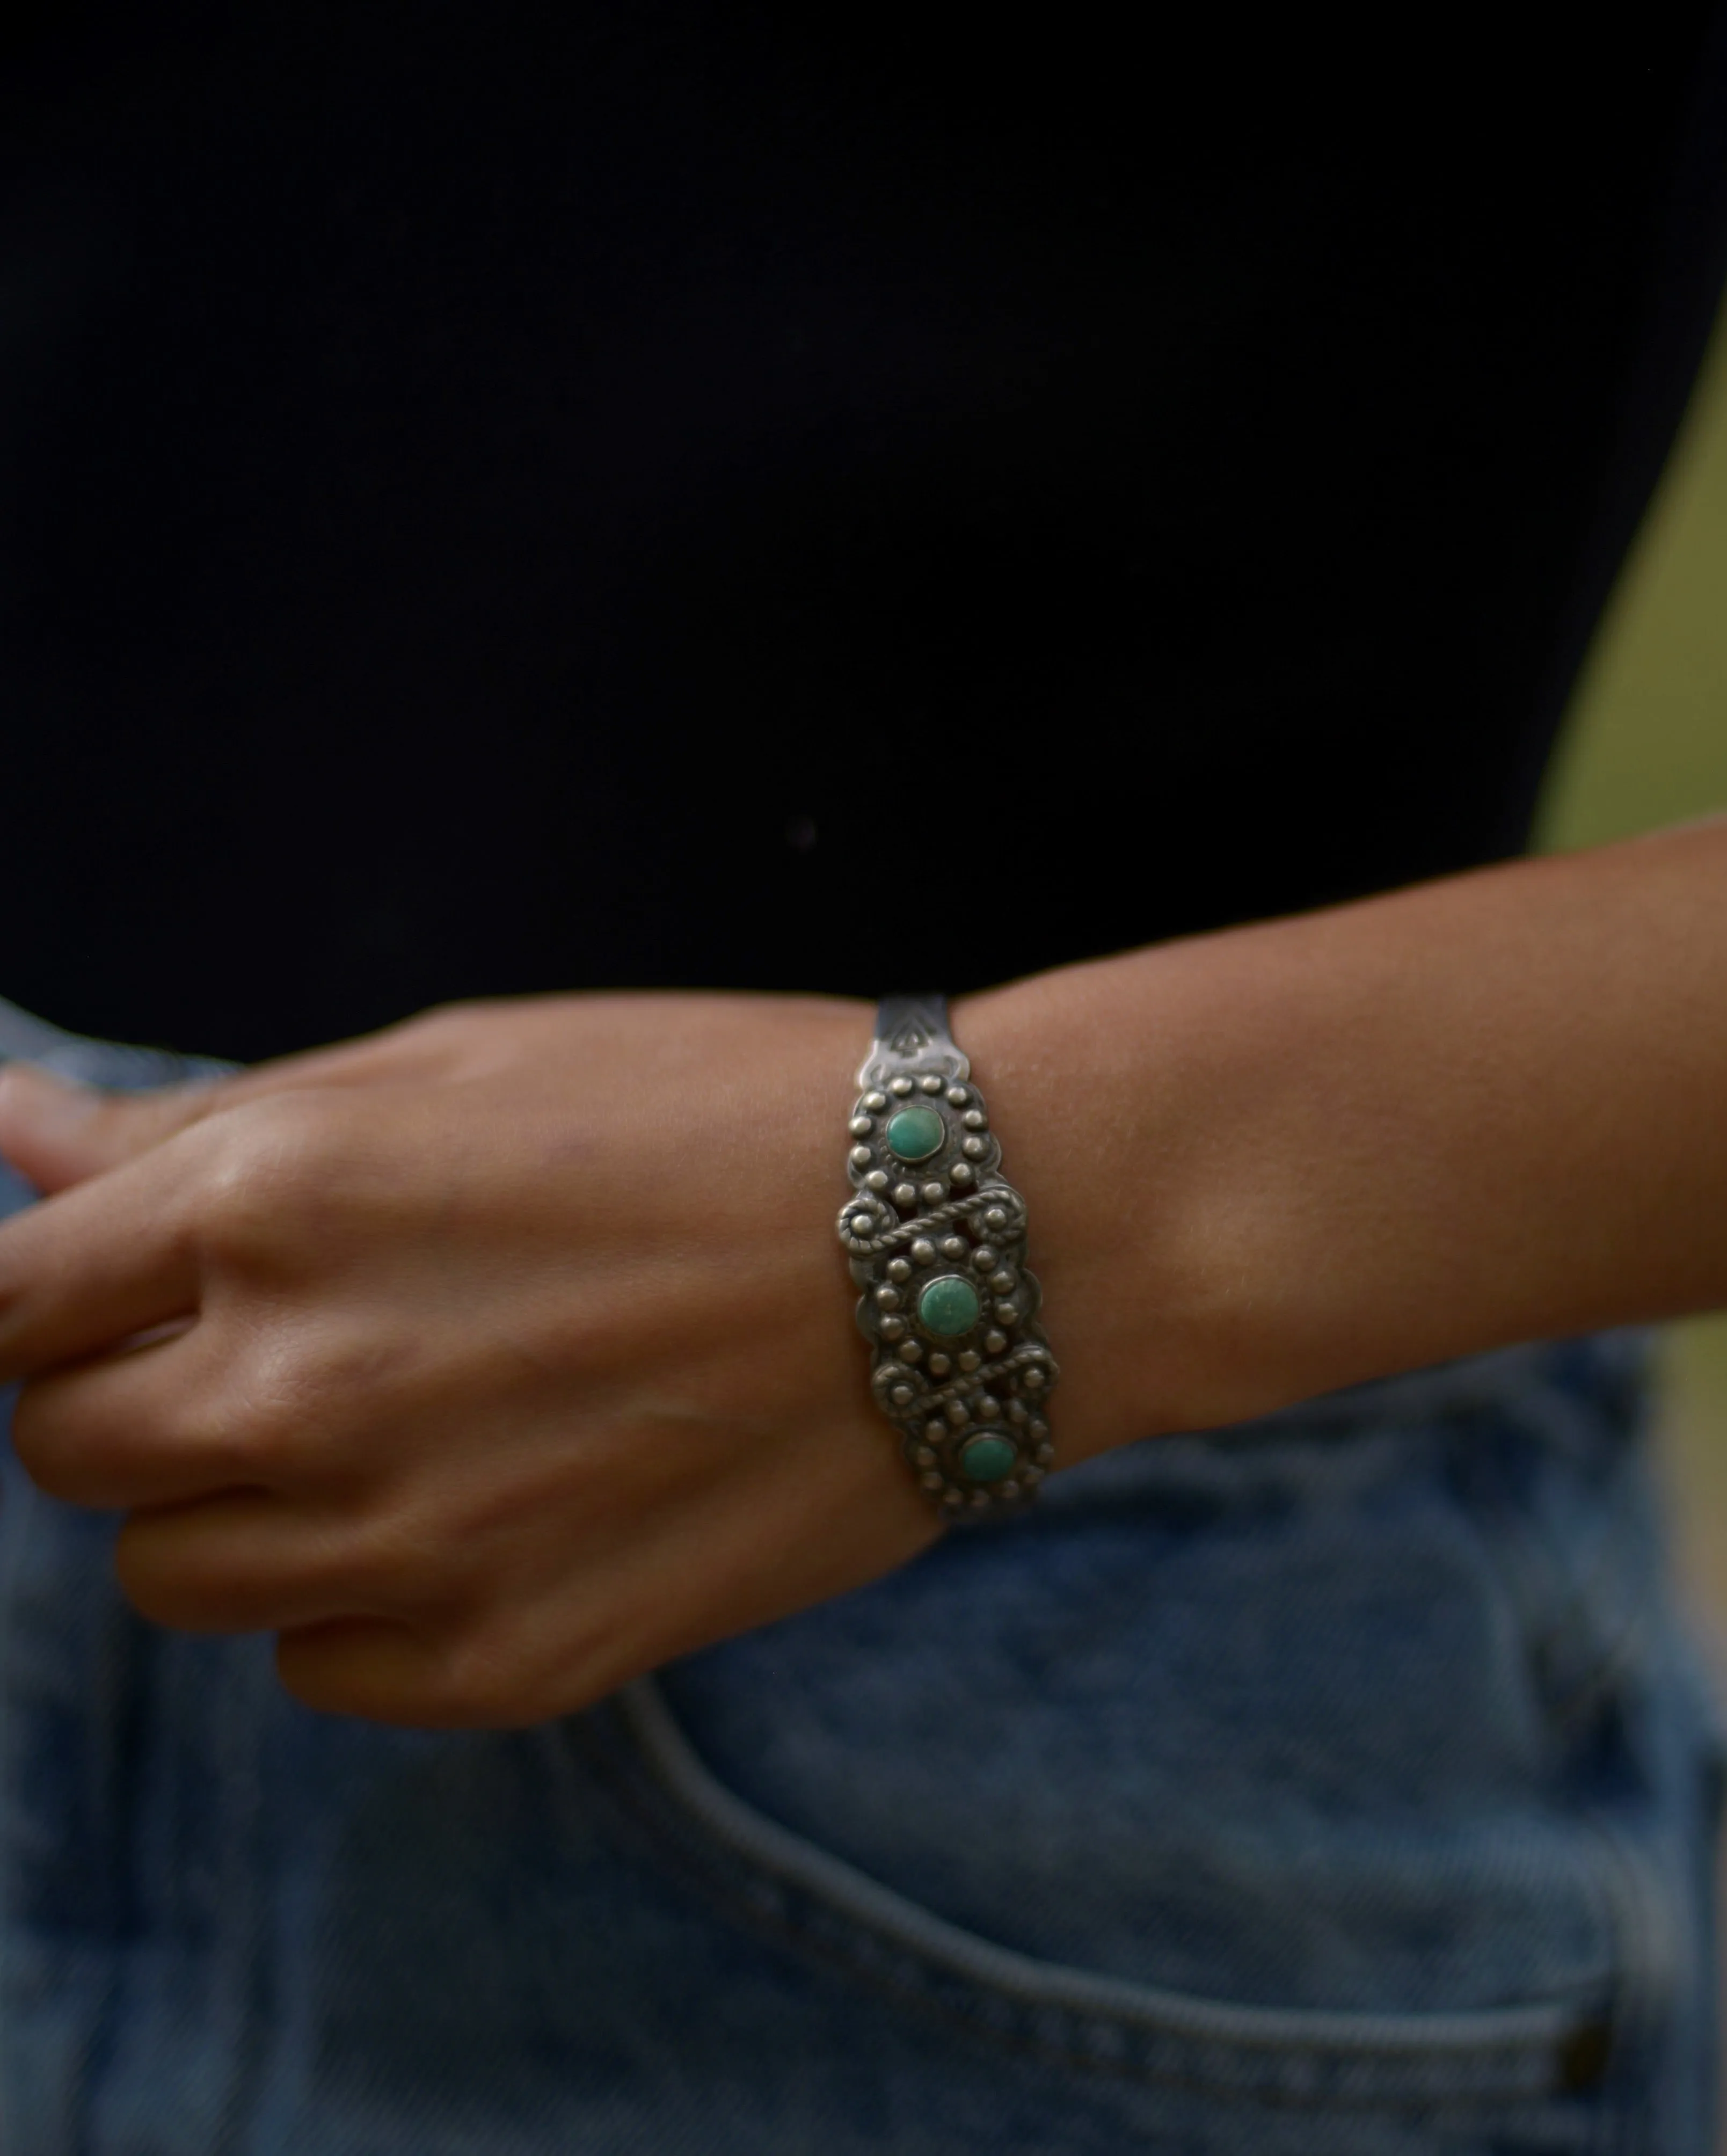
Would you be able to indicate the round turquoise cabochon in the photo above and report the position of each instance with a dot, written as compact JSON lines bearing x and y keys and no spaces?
{"x":988,"y":1457}
{"x":949,"y":1305}
{"x":915,"y":1133}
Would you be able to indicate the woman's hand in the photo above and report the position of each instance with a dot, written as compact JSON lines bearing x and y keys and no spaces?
{"x":490,"y":1362}
{"x":502,"y":1357}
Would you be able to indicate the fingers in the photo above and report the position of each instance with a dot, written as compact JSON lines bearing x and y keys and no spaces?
{"x":131,"y":1428}
{"x":247,"y":1561}
{"x":86,"y":1269}
{"x":56,"y":1132}
{"x":230,"y":1530}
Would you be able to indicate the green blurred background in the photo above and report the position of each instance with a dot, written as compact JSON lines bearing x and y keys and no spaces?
{"x":1645,"y":744}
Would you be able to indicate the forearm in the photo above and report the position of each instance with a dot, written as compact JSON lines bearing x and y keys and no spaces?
{"x":1270,"y":1162}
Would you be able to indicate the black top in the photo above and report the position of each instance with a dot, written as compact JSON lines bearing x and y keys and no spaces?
{"x":515,"y":497}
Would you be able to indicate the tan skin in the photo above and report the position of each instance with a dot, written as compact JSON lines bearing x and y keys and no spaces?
{"x":497,"y":1358}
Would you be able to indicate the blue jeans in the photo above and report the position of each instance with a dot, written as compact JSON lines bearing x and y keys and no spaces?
{"x":1342,"y":1784}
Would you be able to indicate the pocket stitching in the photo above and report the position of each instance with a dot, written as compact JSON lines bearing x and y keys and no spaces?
{"x":1302,"y":2055}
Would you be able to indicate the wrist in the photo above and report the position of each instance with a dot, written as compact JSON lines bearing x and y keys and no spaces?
{"x":1266,"y":1164}
{"x":1160,"y":1111}
{"x":1093,"y":1122}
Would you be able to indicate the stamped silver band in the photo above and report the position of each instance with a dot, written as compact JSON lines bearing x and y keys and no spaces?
{"x":937,"y":1240}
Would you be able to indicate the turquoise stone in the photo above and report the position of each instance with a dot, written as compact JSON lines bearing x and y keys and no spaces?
{"x":948,"y":1307}
{"x":988,"y":1457}
{"x":915,"y":1133}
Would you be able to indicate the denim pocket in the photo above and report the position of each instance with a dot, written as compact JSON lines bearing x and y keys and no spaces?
{"x":1248,"y":1773}
{"x":1336,"y":1787}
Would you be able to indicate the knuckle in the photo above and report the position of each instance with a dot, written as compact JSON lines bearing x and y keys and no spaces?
{"x":514,"y":1666}
{"x":268,"y":1176}
{"x":449,"y":1030}
{"x":235,"y":1420}
{"x":299,"y":1401}
{"x":456,"y":1019}
{"x":479,"y":1680}
{"x":233,"y":1436}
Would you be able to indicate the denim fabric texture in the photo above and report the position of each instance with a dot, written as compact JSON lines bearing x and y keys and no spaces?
{"x":1341,"y":1784}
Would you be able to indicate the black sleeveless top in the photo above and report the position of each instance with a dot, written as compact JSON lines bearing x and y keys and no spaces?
{"x":504,"y":498}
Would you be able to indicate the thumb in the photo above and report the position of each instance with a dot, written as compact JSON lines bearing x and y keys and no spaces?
{"x":55,"y":1131}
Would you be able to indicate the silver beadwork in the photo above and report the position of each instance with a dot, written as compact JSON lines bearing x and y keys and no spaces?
{"x":943,"y":1391}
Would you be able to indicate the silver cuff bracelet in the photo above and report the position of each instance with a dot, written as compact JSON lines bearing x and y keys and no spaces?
{"x":937,"y":1240}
